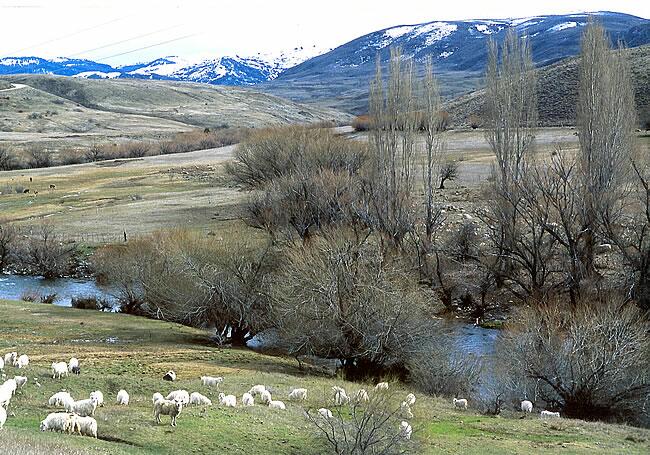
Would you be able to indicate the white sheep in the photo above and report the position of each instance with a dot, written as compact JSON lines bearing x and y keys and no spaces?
{"x":265,"y":396}
{"x":5,"y":398}
{"x":257,"y":390}
{"x":22,"y":361}
{"x":410,"y":399}
{"x":10,"y":358}
{"x":460,"y":403}
{"x":122,"y":398}
{"x":405,"y":410}
{"x":170,"y":376}
{"x":325,"y":413}
{"x":549,"y":415}
{"x":84,"y":408}
{"x":247,"y":399}
{"x":277,"y":404}
{"x":170,"y":408}
{"x":382,"y":386}
{"x":11,"y":385}
{"x":59,"y":369}
{"x":526,"y":406}
{"x":199,"y":400}
{"x":211,"y":381}
{"x":181,"y":395}
{"x":298,"y":394}
{"x":20,"y":381}
{"x":73,"y":364}
{"x":57,"y":421}
{"x":2,"y":364}
{"x":60,"y":399}
{"x":361,"y":396}
{"x":98,"y":396}
{"x":340,"y":397}
{"x":229,"y":401}
{"x":3,"y":417}
{"x":405,"y":430}
{"x":85,"y":426}
{"x":157,"y":396}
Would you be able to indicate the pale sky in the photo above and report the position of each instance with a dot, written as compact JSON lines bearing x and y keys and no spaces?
{"x":129,"y":31}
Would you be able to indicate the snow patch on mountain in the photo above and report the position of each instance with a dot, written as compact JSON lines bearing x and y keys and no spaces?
{"x":564,"y":26}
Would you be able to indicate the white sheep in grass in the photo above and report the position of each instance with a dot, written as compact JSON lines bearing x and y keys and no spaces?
{"x":73,"y":364}
{"x":549,"y":415}
{"x":5,"y":398}
{"x":229,"y":401}
{"x":199,"y":400}
{"x":181,"y":395}
{"x":98,"y":396}
{"x":361,"y":396}
{"x":210,"y":381}
{"x":325,"y":413}
{"x":170,"y":408}
{"x":157,"y":396}
{"x":382,"y":386}
{"x":526,"y":406}
{"x":22,"y":361}
{"x":60,"y":399}
{"x":2,"y":364}
{"x":298,"y":394}
{"x":59,"y":369}
{"x":83,"y":408}
{"x":11,"y":385}
{"x":277,"y":404}
{"x":265,"y":397}
{"x":10,"y":358}
{"x":340,"y":397}
{"x":410,"y":399}
{"x":20,"y":381}
{"x":122,"y":398}
{"x":405,"y":430}
{"x":170,"y":376}
{"x":257,"y":390}
{"x":247,"y":399}
{"x":57,"y":421}
{"x":405,"y":410}
{"x":3,"y":417}
{"x":460,"y":403}
{"x":85,"y":426}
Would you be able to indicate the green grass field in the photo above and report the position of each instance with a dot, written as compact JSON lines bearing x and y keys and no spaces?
{"x":120,"y":351}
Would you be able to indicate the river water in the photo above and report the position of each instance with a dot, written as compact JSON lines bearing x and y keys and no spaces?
{"x":12,"y":287}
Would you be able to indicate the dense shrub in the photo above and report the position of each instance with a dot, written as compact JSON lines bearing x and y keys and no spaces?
{"x":361,"y":123}
{"x":91,"y":303}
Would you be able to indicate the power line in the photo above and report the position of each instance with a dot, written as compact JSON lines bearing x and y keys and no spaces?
{"x":147,"y":47}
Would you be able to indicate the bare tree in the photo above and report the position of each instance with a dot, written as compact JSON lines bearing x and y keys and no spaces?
{"x":7,"y":159}
{"x":7,"y":244}
{"x":47,"y":253}
{"x":448,"y":171}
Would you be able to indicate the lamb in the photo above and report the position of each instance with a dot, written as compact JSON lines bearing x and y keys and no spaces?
{"x":210,"y":381}
{"x":122,"y":397}
{"x":59,"y":369}
{"x":181,"y":395}
{"x":361,"y":396}
{"x":76,"y":370}
{"x":265,"y":396}
{"x":73,"y":364}
{"x":98,"y":396}
{"x":340,"y":397}
{"x":83,"y":408}
{"x":382,"y":386}
{"x":549,"y":415}
{"x":460,"y":403}
{"x":60,"y":399}
{"x":170,"y":376}
{"x":22,"y":361}
{"x":276,"y":404}
{"x":57,"y":421}
{"x":199,"y":400}
{"x":20,"y":381}
{"x":157,"y":396}
{"x":325,"y":413}
{"x":410,"y":399}
{"x":10,"y":358}
{"x":247,"y":399}
{"x":85,"y":426}
{"x":229,"y":401}
{"x":405,"y":430}
{"x":170,"y":408}
{"x":298,"y":394}
{"x":526,"y":406}
{"x":405,"y":410}
{"x":10,"y":385}
{"x":3,"y":417}
{"x":257,"y":390}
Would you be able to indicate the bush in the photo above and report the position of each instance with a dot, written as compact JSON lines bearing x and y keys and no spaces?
{"x":48,"y":298}
{"x":39,"y":157}
{"x":46,"y":253}
{"x":30,"y":296}
{"x":362,"y":123}
{"x":90,"y":303}
{"x":7,"y":159}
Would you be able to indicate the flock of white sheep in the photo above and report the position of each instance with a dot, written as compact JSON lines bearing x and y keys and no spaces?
{"x":77,"y":416}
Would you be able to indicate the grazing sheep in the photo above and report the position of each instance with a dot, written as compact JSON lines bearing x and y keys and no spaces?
{"x":549,"y":415}
{"x":3,"y":417}
{"x":211,"y":381}
{"x":157,"y":396}
{"x":98,"y":396}
{"x":10,"y":358}
{"x":265,"y":397}
{"x":405,"y":410}
{"x":74,"y":362}
{"x":181,"y":395}
{"x":170,"y":408}
{"x":257,"y":390}
{"x":2,"y":364}
{"x":382,"y":386}
{"x":122,"y":397}
{"x":460,"y":404}
{"x":10,"y":385}
{"x":247,"y":399}
{"x":410,"y":399}
{"x":298,"y":394}
{"x":361,"y":396}
{"x":405,"y":430}
{"x":340,"y":397}
{"x":84,"y":408}
{"x":325,"y":413}
{"x":85,"y":426}
{"x":59,"y":369}
{"x":57,"y":421}
{"x":5,"y":398}
{"x":526,"y":406}
{"x":60,"y":399}
{"x":76,"y":370}
{"x":20,"y":381}
{"x":276,"y":404}
{"x":170,"y":376}
{"x":229,"y":401}
{"x":199,"y":400}
{"x":22,"y":361}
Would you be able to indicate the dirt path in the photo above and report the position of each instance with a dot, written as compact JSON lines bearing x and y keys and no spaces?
{"x":13,"y":87}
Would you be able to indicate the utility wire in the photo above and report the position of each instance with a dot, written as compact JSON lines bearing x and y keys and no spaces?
{"x":147,"y":47}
